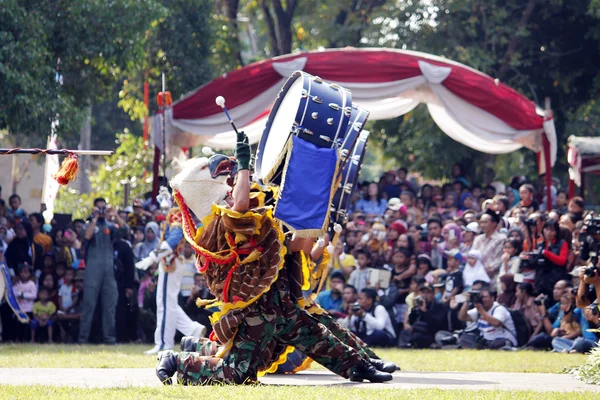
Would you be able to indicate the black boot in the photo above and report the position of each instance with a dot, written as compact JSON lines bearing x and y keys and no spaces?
{"x":384,"y":366}
{"x":366,"y":370}
{"x":167,"y":366}
{"x":188,"y":343}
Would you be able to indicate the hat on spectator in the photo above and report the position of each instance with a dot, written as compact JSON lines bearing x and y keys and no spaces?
{"x":395,"y":204}
{"x":425,"y":286}
{"x":493,"y":214}
{"x":424,"y":258}
{"x":454,"y":253}
{"x":486,"y":203}
{"x":128,"y":209}
{"x":474,"y":254}
{"x":398,"y":226}
{"x":471,"y":227}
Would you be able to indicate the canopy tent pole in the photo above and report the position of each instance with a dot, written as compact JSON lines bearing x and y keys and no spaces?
{"x":547,"y":158}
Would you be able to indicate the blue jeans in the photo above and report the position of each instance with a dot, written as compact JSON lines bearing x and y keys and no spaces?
{"x":560,"y":344}
{"x":378,"y":338}
{"x":583,"y":345}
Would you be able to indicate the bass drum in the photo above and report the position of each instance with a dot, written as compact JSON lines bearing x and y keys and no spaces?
{"x":308,"y":107}
{"x":349,"y":180}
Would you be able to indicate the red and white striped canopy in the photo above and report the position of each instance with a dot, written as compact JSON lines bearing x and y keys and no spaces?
{"x":469,"y":106}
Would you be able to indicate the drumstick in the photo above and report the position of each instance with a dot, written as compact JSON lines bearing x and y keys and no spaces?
{"x":221,"y":103}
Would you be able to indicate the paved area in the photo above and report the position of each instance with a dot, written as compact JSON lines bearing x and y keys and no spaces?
{"x":124,"y":377}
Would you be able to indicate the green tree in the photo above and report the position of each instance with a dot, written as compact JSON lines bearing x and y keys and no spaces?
{"x":131,"y":163}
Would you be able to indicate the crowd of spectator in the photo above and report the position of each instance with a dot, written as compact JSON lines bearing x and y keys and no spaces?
{"x":78,"y":283}
{"x":468,"y":266}
{"x":417,"y":266}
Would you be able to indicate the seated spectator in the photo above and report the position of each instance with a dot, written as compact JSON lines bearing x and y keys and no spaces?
{"x":43,"y":310}
{"x":569,"y":329}
{"x":474,"y":269}
{"x":511,"y":263}
{"x":346,"y":263}
{"x":426,"y":318}
{"x":508,"y":288}
{"x":590,"y":339}
{"x":415,"y":283}
{"x":349,"y":297}
{"x":555,"y":256}
{"x":371,"y":322}
{"x":525,"y":303}
{"x":331,"y":300}
{"x":359,"y":278}
{"x":551,"y":317}
{"x":495,"y":327}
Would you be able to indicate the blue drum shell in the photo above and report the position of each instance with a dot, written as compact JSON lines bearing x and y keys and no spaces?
{"x":349,"y":180}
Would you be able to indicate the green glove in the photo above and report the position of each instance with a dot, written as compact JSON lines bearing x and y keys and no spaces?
{"x":242,"y":151}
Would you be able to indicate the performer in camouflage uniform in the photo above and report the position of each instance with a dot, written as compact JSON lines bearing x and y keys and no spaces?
{"x":242,"y":253}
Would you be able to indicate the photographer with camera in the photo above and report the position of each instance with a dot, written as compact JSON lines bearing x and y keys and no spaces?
{"x":426,"y":318}
{"x":99,"y":279}
{"x":550,"y":316}
{"x":370,"y":321}
{"x":550,"y":260}
{"x":495,"y":326}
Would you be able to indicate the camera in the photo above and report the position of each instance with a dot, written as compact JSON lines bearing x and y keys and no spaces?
{"x":419,"y":301}
{"x":475,"y":296}
{"x":533,"y":259}
{"x":541,"y":300}
{"x":589,"y":237}
{"x":356,"y":307}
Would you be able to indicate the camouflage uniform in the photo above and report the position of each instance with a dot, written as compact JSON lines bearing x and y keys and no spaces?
{"x":273,"y":323}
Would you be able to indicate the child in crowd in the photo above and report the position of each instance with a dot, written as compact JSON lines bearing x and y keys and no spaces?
{"x":49,"y":263}
{"x":569,"y":330}
{"x":49,"y":283}
{"x":66,"y":291}
{"x":454,"y":277}
{"x":359,"y":278}
{"x":60,"y":273}
{"x":26,"y":292}
{"x":415,"y":282}
{"x":510,"y":260}
{"x":43,"y":310}
{"x":402,"y":272}
{"x":474,"y":270}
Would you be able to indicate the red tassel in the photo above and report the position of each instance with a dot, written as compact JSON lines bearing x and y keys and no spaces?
{"x":164,"y":99}
{"x":68,"y":170}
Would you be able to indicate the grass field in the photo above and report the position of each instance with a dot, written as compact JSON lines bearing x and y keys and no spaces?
{"x":130,"y":356}
{"x":274,"y":392}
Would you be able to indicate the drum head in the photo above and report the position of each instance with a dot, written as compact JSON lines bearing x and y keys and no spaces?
{"x":280,"y":128}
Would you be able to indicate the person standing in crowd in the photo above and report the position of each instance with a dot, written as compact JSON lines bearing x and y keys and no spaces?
{"x":37,"y":222}
{"x":151,"y":241}
{"x":577,"y":207}
{"x":527,"y":205}
{"x":551,"y":268}
{"x":469,"y":232}
{"x":374,"y":203}
{"x":359,"y":278}
{"x":43,"y":311}
{"x":99,"y":280}
{"x":25,"y":292}
{"x":23,"y":250}
{"x":126,"y":312}
{"x":15,"y":211}
{"x":490,"y":243}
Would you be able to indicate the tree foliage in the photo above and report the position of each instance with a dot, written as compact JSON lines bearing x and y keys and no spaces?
{"x":130,"y":163}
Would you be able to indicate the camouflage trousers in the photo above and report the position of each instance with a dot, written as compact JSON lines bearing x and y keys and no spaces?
{"x":345,"y":336}
{"x":274,"y":322}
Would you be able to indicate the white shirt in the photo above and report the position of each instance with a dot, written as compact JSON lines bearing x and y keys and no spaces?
{"x":65,"y":293}
{"x":381,"y":321}
{"x":490,"y":332}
